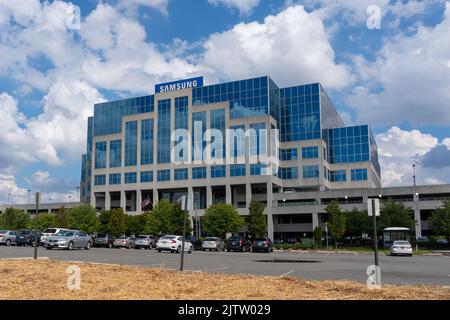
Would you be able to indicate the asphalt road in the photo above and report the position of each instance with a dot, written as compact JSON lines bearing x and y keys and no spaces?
{"x":430,"y":270}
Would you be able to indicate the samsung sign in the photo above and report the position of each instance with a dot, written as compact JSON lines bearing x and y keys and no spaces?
{"x":179,"y":85}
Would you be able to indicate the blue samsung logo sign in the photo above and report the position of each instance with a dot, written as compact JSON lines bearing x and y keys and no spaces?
{"x":179,"y":85}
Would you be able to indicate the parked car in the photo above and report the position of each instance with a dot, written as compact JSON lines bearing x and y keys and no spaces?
{"x":173,"y":243}
{"x":262,"y":244}
{"x":144,"y":241}
{"x":401,"y":248}
{"x":49,"y":232}
{"x":213,"y":243}
{"x":238,"y":244}
{"x":197,"y":243}
{"x":104,"y":240}
{"x":28,"y":238}
{"x":69,"y":239}
{"x":8,"y":237}
{"x":124,"y":242}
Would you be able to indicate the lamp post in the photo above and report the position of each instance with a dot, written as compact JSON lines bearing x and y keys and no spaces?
{"x":28,"y":194}
{"x":326,"y":234}
{"x":9,"y":198}
{"x":78,"y":193}
{"x":38,"y":197}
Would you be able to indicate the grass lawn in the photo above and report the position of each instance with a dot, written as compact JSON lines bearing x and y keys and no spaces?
{"x":47,"y":279}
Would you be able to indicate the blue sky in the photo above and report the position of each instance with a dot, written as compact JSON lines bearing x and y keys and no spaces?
{"x":396,"y":78}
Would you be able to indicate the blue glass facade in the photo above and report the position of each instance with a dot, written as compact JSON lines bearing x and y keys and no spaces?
{"x":247,"y":98}
{"x":237,"y":170}
{"x":100,"y":180}
{"x":198,"y":143}
{"x":359,"y":174}
{"x":300,"y":113}
{"x":147,"y":138}
{"x":337,"y":176}
{"x":115,"y":153}
{"x":310,"y":172}
{"x":181,"y":174}
{"x":146,"y":176}
{"x":131,"y":142}
{"x":199,"y":173}
{"x":130,"y":177}
{"x":108,"y":116}
{"x":310,"y":152}
{"x":348,"y":144}
{"x":164,"y":131}
{"x":217,"y":122}
{"x":218,"y":171}
{"x":115,"y":178}
{"x":288,"y":173}
{"x":258,"y":139}
{"x":163,"y":175}
{"x":288,"y":154}
{"x":100,"y":155}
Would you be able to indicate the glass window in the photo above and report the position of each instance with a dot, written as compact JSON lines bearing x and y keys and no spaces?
{"x":199,"y":128}
{"x":115,"y":153}
{"x":100,"y":180}
{"x":147,"y":134}
{"x":163,"y":175}
{"x":130,"y":177}
{"x":115,"y":178}
{"x":359,"y":174}
{"x":199,"y":173}
{"x":310,"y":172}
{"x":131,"y":143}
{"x":337,"y":176}
{"x":310,"y":152}
{"x":100,"y":155}
{"x":146,"y":176}
{"x":288,"y":154}
{"x":288,"y":173}
{"x":181,"y":174}
{"x":258,"y":139}
{"x":218,"y":123}
{"x":164,"y":131}
{"x":218,"y":171}
{"x":237,"y":170}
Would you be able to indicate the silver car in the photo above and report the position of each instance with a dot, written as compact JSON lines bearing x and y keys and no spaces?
{"x":213,"y":243}
{"x":144,"y":241}
{"x":8,"y":237}
{"x":69,"y":239}
{"x":401,"y":248}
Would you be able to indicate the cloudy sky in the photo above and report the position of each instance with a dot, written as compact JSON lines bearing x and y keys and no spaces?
{"x":52,"y":71}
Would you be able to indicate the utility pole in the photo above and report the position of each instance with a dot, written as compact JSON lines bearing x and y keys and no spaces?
{"x":38,"y":196}
{"x":184,"y":205}
{"x":414,"y":175}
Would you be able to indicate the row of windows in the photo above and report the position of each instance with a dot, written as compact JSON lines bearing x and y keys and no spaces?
{"x":288,"y":154}
{"x":288,"y":173}
{"x":310,"y":152}
{"x":341,"y":175}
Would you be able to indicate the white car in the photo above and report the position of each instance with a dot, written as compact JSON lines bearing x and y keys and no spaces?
{"x":50,"y":232}
{"x":173,"y":244}
{"x":401,"y":248}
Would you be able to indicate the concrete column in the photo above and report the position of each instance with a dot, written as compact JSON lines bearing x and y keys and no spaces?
{"x":123,"y":201}
{"x":269,"y":210}
{"x":418,"y":225}
{"x":315,"y":220}
{"x":190,"y":204}
{"x":107,"y":200}
{"x":228,"y":194}
{"x":155,"y":197}
{"x":248,"y":194}
{"x":208,"y":196}
{"x":93,"y":199}
{"x":138,"y":201}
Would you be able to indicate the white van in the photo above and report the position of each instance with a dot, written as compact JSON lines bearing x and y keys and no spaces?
{"x":49,"y":232}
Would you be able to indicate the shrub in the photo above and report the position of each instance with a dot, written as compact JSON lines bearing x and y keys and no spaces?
{"x":307,"y":243}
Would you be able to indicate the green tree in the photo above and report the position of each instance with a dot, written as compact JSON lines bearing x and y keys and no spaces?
{"x":103,"y":219}
{"x":158,"y":221}
{"x":136,"y":224}
{"x":84,"y":218}
{"x":176,"y":220}
{"x":318,"y":237}
{"x":220,"y":219}
{"x":45,"y":220}
{"x":116,"y":225}
{"x":440,"y":220}
{"x":14,"y":219}
{"x":357,"y":222}
{"x":394,"y":214}
{"x":336,"y":221}
{"x":257,"y":221}
{"x":62,"y":218}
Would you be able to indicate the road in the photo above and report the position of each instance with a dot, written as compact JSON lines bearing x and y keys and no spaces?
{"x":428,"y":270}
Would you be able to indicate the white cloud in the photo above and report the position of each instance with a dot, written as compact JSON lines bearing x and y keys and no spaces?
{"x":409,"y":81}
{"x":399,"y":150}
{"x":433,"y":181}
{"x":132,"y":6}
{"x":292,"y":47}
{"x":244,"y":6}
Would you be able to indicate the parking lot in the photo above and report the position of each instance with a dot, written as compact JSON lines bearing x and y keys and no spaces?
{"x":429,"y":270}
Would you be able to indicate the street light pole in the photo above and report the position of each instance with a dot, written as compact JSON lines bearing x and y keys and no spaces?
{"x":38,"y":196}
{"x":9,"y":198}
{"x":326,"y":234}
{"x":28,"y":194}
{"x":78,"y":193}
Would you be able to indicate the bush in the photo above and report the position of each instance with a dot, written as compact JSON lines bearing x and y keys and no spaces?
{"x":286,"y":246}
{"x":297,"y":246}
{"x":307,"y":243}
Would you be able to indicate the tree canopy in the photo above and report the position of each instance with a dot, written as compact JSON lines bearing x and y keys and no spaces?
{"x":220,"y":219}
